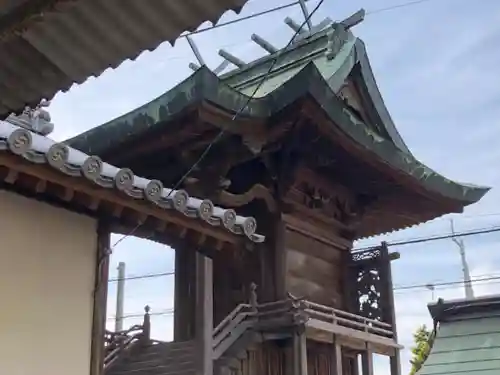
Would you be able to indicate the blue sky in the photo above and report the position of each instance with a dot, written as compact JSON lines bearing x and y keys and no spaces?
{"x":434,"y":63}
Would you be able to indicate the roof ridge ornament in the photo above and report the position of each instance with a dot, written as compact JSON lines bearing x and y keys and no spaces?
{"x":339,"y":33}
{"x":36,"y":119}
{"x":338,"y":37}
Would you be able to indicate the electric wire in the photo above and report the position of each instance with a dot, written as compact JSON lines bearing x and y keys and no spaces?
{"x":448,"y":283}
{"x":145,"y":276}
{"x":273,"y":10}
{"x":274,"y":61}
{"x":398,"y":6}
{"x":235,"y":116}
{"x":452,"y":285}
{"x":398,"y":243}
{"x":432,"y":238}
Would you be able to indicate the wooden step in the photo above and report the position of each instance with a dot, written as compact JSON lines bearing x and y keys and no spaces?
{"x":153,"y":368}
{"x":140,"y":362}
{"x":166,"y":358}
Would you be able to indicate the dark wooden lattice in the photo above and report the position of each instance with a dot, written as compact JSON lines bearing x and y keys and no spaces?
{"x":369,"y":276}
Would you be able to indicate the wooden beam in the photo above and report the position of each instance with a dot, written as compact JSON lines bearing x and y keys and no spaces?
{"x":185,"y":128}
{"x":395,"y":360}
{"x":299,"y":352}
{"x":112,"y":196}
{"x":367,"y":361}
{"x":257,"y":191}
{"x":204,"y":314}
{"x":280,"y":259}
{"x":335,"y":134}
{"x":184,"y":298}
{"x":100,"y":297}
{"x":336,"y":358}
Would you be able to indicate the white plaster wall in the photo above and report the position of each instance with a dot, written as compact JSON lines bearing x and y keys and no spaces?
{"x":47,"y":258}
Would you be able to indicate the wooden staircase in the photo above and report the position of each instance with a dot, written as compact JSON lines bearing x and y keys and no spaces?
{"x":157,"y":358}
{"x":132,"y":352}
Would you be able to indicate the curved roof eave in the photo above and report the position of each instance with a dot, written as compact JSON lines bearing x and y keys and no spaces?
{"x":203,"y":85}
{"x":376,"y":96}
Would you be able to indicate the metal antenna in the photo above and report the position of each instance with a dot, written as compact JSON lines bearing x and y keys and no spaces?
{"x":469,"y":291}
{"x":231,"y":58}
{"x":264,"y":44}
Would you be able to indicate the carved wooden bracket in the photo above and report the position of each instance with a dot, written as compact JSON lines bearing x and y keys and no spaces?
{"x":257,"y":191}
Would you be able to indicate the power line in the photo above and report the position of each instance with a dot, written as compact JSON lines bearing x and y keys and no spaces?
{"x":434,"y":238}
{"x":435,"y":282}
{"x":146,"y":276}
{"x":274,"y":61}
{"x":141,"y":314}
{"x":275,"y":9}
{"x":455,"y":284}
{"x":398,"y":6}
{"x":245,"y":18}
{"x":407,"y":242}
{"x":235,"y":116}
{"x":448,"y":283}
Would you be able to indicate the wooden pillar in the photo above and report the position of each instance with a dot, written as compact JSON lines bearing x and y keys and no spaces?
{"x":280,"y":259}
{"x":204,"y":314}
{"x":390,"y":311}
{"x":367,"y":362}
{"x":299,"y":352}
{"x":336,"y":359}
{"x":184,"y":294}
{"x":355,"y":365}
{"x":101,"y":278}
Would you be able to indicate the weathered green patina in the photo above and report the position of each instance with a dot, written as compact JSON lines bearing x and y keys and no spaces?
{"x":316,"y":67}
{"x":468,"y":338}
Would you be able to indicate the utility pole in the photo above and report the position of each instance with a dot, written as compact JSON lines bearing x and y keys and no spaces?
{"x":469,"y":292}
{"x":432,"y":288}
{"x":120,"y":291}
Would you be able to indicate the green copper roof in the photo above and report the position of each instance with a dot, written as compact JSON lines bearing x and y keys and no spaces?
{"x":335,"y":52}
{"x":467,"y":340}
{"x":316,"y":68}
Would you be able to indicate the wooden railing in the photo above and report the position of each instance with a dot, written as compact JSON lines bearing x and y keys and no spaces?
{"x":346,"y":319}
{"x":289,"y":312}
{"x":116,"y":343}
{"x":252,"y":316}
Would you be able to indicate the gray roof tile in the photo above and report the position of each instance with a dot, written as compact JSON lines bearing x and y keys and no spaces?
{"x":40,"y":149}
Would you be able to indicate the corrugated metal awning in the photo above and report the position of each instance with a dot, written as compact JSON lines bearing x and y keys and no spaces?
{"x":47,"y":46}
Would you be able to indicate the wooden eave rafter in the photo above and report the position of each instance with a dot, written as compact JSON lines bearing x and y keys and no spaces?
{"x":76,"y":193}
{"x":325,"y":126}
{"x":179,"y":131}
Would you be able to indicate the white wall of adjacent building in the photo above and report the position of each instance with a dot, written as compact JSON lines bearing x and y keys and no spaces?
{"x":47,"y":265}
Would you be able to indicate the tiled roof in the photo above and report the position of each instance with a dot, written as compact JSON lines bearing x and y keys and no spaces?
{"x":39,"y":149}
{"x":467,"y":340}
{"x":48,"y":49}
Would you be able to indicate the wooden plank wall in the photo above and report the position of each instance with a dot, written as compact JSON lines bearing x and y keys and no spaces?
{"x":314,"y":269}
{"x":266,"y":359}
{"x":270,"y":359}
